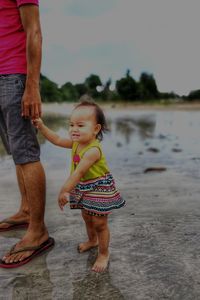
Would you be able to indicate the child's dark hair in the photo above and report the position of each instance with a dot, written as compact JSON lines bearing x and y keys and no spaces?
{"x":86,"y":100}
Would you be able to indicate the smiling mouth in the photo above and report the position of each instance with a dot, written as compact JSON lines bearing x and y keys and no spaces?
{"x":75,"y":135}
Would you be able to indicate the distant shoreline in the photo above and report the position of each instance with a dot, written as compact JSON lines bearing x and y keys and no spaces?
{"x":63,"y":108}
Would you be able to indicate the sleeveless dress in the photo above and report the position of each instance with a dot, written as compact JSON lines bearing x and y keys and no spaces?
{"x":96,"y":191}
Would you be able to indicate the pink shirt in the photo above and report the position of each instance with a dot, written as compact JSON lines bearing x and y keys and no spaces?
{"x":12,"y":37}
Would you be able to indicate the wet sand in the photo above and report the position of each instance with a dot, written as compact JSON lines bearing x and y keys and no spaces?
{"x":155,"y":239}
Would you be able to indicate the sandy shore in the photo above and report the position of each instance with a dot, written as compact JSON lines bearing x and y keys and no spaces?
{"x":155,"y":239}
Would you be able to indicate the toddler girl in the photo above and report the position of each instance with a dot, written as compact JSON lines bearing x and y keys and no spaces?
{"x":90,"y":186}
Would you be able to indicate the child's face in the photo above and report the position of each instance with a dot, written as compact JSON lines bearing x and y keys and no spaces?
{"x":83,"y":126}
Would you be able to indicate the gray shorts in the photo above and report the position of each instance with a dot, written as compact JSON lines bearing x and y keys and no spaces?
{"x":17,"y":133}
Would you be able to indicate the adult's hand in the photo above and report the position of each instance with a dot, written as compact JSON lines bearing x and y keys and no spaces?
{"x":31,"y":103}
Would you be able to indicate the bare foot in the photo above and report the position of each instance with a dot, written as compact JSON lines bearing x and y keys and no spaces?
{"x":101,"y":263}
{"x":86,"y":246}
{"x":18,"y":218}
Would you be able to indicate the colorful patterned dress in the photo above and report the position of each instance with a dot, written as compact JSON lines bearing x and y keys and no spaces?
{"x":96,"y":191}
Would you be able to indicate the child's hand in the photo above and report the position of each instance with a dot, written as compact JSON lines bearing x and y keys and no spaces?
{"x":38,"y":123}
{"x":63,"y":199}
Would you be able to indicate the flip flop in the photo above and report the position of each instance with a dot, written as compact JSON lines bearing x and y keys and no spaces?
{"x":37,"y":250}
{"x":13,"y":225}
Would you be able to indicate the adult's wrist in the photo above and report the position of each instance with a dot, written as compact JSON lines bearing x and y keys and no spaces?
{"x":32,"y":83}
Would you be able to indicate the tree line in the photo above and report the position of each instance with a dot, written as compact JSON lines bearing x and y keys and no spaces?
{"x":126,"y":89}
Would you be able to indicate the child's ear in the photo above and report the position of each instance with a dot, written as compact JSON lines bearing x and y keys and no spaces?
{"x":97,"y":128}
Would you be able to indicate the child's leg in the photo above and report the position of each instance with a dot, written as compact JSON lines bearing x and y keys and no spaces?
{"x":91,"y":232}
{"x":103,"y":234}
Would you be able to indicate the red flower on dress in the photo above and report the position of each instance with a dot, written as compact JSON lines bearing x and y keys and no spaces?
{"x":76,"y":158}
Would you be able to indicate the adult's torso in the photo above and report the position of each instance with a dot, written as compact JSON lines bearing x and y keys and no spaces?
{"x":12,"y":37}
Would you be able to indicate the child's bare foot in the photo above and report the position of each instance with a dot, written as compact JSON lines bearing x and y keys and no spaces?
{"x":82,"y":247}
{"x":101,"y":263}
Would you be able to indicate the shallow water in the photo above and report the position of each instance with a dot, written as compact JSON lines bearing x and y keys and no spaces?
{"x":173,"y":135}
{"x":155,"y":239}
{"x":140,"y":139}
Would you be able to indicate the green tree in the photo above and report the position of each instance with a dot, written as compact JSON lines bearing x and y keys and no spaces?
{"x":170,"y":95}
{"x":49,"y":90}
{"x":127,"y":87}
{"x":91,"y":84}
{"x":106,"y":92}
{"x":147,"y":87}
{"x":68,"y":92}
{"x":194,"y":95}
{"x":81,"y":89}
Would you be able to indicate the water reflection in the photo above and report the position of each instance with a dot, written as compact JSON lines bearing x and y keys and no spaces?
{"x":144,"y":126}
{"x":173,"y":134}
{"x":95,"y":286}
{"x":55,"y":123}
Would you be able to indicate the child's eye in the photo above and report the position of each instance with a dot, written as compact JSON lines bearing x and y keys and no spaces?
{"x":80,"y":125}
{"x":71,"y":125}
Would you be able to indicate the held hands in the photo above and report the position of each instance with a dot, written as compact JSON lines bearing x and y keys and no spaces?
{"x":38,"y":123}
{"x":63,"y":199}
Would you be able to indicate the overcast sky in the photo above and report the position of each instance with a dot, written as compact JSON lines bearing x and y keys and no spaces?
{"x":107,"y":37}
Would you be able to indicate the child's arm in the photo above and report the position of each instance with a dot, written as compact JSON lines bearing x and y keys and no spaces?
{"x":51,"y":135}
{"x":89,"y":158}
